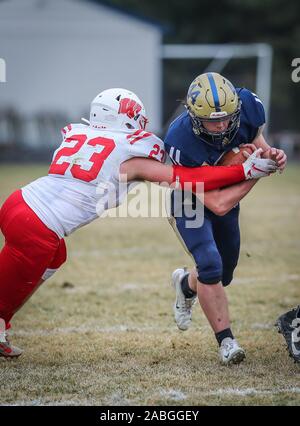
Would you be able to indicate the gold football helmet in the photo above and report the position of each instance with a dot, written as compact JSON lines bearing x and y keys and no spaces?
{"x":211,"y":97}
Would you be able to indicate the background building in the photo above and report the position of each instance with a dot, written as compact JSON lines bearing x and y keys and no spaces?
{"x":59,"y":54}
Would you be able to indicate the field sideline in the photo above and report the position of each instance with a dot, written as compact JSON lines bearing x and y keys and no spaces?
{"x":101,"y":331}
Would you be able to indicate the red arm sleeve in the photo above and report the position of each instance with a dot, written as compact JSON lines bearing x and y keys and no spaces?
{"x":213,"y":177}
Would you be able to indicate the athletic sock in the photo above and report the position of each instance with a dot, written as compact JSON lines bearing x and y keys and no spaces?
{"x":187,"y":291}
{"x":221,"y":335}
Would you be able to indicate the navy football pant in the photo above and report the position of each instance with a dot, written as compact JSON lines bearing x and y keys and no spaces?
{"x":214,"y":246}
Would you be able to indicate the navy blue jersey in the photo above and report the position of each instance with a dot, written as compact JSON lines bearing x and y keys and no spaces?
{"x":187,"y":149}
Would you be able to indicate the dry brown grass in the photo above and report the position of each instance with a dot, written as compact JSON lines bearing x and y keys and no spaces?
{"x":109,"y":338}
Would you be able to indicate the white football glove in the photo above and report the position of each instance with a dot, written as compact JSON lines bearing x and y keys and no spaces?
{"x":256,"y":167}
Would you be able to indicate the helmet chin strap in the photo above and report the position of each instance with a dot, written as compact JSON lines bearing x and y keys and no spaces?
{"x":216,"y":139}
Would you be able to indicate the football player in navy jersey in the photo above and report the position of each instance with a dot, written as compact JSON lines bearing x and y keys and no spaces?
{"x":218,"y":117}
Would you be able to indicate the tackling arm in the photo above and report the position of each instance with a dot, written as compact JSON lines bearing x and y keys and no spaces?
{"x":153,"y":171}
{"x":213,"y":177}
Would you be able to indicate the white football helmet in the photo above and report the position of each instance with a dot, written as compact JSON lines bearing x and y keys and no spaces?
{"x":117,"y":109}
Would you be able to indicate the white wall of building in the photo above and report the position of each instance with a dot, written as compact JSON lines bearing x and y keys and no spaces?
{"x":60,"y":53}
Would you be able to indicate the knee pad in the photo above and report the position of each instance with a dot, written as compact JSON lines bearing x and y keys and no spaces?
{"x":209,"y":281}
{"x":209,"y":266}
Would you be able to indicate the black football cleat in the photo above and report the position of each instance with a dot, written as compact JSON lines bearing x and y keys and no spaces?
{"x":289,"y":326}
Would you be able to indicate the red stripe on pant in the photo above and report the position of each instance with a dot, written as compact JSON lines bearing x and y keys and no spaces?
{"x":30,"y":248}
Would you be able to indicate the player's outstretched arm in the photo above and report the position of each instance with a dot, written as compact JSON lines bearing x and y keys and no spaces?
{"x":213,"y":177}
{"x":153,"y":171}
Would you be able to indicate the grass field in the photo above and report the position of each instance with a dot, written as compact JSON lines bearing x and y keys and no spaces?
{"x":101,"y":331}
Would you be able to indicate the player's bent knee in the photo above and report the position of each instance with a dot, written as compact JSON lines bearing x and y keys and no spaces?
{"x":212,"y":281}
{"x":210,"y":268}
{"x":211,"y":274}
{"x":58,"y":260}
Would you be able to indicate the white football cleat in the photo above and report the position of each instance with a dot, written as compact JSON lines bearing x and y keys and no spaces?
{"x":231,"y":352}
{"x":183,"y":306}
{"x":6,"y":349}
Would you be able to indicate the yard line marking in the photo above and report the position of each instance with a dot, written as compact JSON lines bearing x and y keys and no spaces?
{"x":174,"y":394}
{"x":122,"y":328}
{"x":85,"y":329}
{"x":262,"y":326}
{"x":280,"y":279}
{"x":251,"y":391}
{"x":168,"y":393}
{"x":41,"y":402}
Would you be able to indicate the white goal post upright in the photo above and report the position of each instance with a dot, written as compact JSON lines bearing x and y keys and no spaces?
{"x":221,"y":54}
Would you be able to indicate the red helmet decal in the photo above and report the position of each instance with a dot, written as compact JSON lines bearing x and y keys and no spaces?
{"x":129,"y":107}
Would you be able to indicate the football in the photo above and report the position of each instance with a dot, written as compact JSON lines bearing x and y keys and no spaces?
{"x":234,"y":156}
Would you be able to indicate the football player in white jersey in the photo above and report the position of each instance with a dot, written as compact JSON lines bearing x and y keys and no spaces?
{"x":35,"y":219}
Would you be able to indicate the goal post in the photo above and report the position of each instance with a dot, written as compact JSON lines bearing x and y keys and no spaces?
{"x":221,"y":54}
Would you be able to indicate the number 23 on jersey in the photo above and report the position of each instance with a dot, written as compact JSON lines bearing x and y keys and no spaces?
{"x":97,"y":158}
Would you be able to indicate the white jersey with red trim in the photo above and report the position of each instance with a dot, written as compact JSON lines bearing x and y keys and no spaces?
{"x":83,"y":179}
